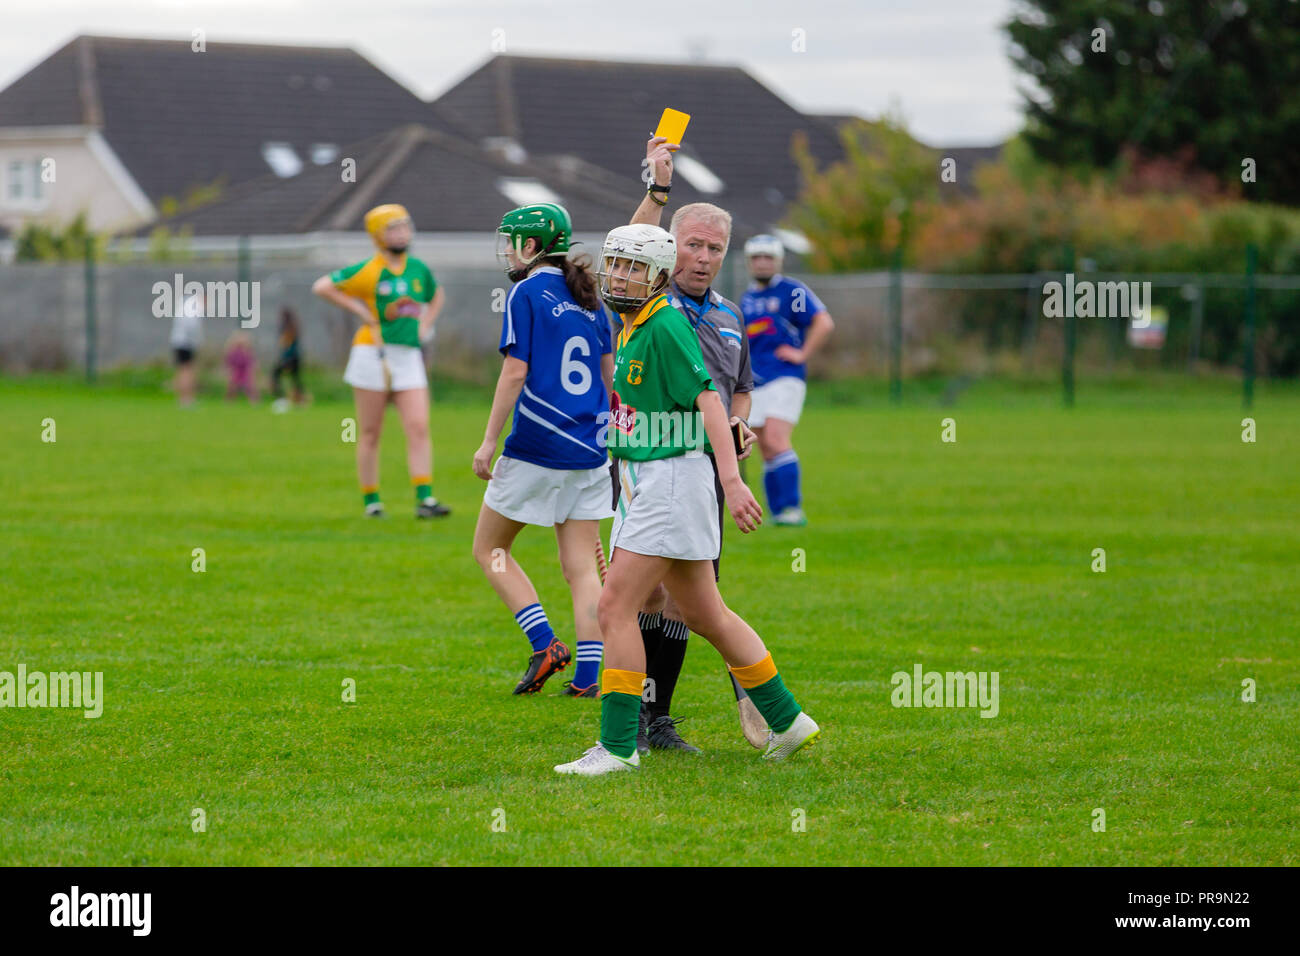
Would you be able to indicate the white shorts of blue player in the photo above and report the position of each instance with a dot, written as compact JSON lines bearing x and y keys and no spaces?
{"x":782,"y":398}
{"x":532,"y":494}
{"x":781,"y":401}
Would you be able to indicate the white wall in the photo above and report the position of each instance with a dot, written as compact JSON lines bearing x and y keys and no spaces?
{"x":86,"y":178}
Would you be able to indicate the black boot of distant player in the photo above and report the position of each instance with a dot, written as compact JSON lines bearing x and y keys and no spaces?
{"x":661,"y":675}
{"x":643,"y":725}
{"x":662,"y":734}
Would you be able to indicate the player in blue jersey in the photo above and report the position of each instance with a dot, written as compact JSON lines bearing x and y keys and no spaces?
{"x":786,"y":323}
{"x":556,"y":375}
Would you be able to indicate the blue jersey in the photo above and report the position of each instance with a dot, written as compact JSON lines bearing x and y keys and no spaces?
{"x":555,"y":422}
{"x":777,"y":315}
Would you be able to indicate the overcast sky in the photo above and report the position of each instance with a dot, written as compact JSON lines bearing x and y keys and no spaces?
{"x":943,"y":61}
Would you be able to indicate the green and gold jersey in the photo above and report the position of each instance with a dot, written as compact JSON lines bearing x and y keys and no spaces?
{"x":659,"y":371}
{"x":395,"y":298}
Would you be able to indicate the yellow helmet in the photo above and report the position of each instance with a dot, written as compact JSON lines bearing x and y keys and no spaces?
{"x":381,"y":217}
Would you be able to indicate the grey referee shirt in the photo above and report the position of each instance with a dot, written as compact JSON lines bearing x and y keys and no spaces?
{"x":723,"y":341}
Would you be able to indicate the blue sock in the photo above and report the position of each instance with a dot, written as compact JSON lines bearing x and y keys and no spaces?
{"x":788,"y":476}
{"x":588,"y":663}
{"x":535,"y":626}
{"x":773,"y":488}
{"x":781,"y":478}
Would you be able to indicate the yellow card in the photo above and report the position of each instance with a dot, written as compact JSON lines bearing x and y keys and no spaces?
{"x":673,"y":125}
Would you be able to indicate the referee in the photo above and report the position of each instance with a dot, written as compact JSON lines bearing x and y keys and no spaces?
{"x":702,"y":232}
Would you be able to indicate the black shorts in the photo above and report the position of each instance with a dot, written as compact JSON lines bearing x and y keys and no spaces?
{"x":717,"y":488}
{"x":183,"y":356}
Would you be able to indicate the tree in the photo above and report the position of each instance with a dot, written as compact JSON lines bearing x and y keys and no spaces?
{"x":1212,"y":82}
{"x":859,"y":211}
{"x":37,"y":242}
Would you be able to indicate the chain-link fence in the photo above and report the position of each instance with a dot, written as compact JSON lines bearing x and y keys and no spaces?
{"x":898,"y":324}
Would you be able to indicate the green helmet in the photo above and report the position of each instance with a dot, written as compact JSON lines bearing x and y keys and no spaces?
{"x":546,"y":222}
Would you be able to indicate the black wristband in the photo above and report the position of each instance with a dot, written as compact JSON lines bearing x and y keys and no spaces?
{"x":656,"y":188}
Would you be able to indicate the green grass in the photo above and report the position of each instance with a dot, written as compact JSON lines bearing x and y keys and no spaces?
{"x":1119,"y":690}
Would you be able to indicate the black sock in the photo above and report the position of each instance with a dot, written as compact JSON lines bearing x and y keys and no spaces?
{"x":652,"y":635}
{"x":667,"y":666}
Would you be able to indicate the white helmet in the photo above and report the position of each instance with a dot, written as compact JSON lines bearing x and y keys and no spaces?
{"x":654,"y":247}
{"x":765,"y":245}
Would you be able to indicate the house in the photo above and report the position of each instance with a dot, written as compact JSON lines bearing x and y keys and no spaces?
{"x":456,"y":192}
{"x":113,"y":126}
{"x":599,"y":113}
{"x":252,"y":139}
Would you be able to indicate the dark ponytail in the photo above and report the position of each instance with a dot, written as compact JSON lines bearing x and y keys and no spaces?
{"x":580,"y":279}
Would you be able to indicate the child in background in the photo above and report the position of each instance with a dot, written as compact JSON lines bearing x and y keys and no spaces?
{"x":240,"y":362}
{"x":289,"y":361}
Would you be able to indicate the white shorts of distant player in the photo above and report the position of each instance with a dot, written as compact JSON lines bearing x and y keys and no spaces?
{"x":406,"y":362}
{"x":667,"y":507}
{"x":529,"y":493}
{"x":780,"y":398}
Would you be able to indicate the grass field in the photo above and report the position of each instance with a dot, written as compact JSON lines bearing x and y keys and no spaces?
{"x":1119,"y":690}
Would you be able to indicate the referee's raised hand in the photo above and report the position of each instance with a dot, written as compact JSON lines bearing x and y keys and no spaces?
{"x":659,"y":153}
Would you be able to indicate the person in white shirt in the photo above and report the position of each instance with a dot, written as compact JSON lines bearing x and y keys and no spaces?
{"x":186,"y":337}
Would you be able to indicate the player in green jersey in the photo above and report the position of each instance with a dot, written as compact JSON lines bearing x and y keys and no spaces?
{"x":398,"y":300}
{"x":665,"y":413}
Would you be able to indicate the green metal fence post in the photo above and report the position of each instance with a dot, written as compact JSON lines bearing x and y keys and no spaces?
{"x":1029,"y":334}
{"x":896,"y":327}
{"x":1198,"y":319}
{"x":1067,"y":365}
{"x":91,"y":325}
{"x":244,"y":268}
{"x":1248,"y":365}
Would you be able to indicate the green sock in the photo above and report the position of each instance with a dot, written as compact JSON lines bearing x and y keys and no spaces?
{"x":423,"y":491}
{"x":775,"y":703}
{"x":618,"y":722}
{"x":372,"y":497}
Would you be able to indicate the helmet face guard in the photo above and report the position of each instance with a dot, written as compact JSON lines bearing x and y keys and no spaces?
{"x":624,"y":249}
{"x":511,"y":241}
{"x":620,"y":269}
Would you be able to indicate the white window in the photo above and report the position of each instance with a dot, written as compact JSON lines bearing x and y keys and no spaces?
{"x":22,"y":184}
{"x":506,"y":147}
{"x":525,"y":192}
{"x":796,"y":242}
{"x":16,"y":181}
{"x":697,"y":174}
{"x":322,"y":154}
{"x":284,"y":162}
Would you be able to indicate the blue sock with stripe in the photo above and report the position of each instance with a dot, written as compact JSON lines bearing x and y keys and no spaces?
{"x":536,"y":628}
{"x":772,"y":486}
{"x":588,"y":663}
{"x":787,"y":477}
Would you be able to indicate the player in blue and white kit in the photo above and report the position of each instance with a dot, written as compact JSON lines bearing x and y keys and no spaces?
{"x":786,"y":323}
{"x":556,"y":375}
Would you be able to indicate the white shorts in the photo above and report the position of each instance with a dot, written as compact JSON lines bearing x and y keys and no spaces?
{"x":780,"y":398}
{"x":667,"y":507}
{"x":532,"y":494}
{"x":404,"y":361}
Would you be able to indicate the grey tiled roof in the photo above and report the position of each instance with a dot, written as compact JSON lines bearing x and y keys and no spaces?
{"x":178,"y":119}
{"x":446,"y":183}
{"x":603,"y":112}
